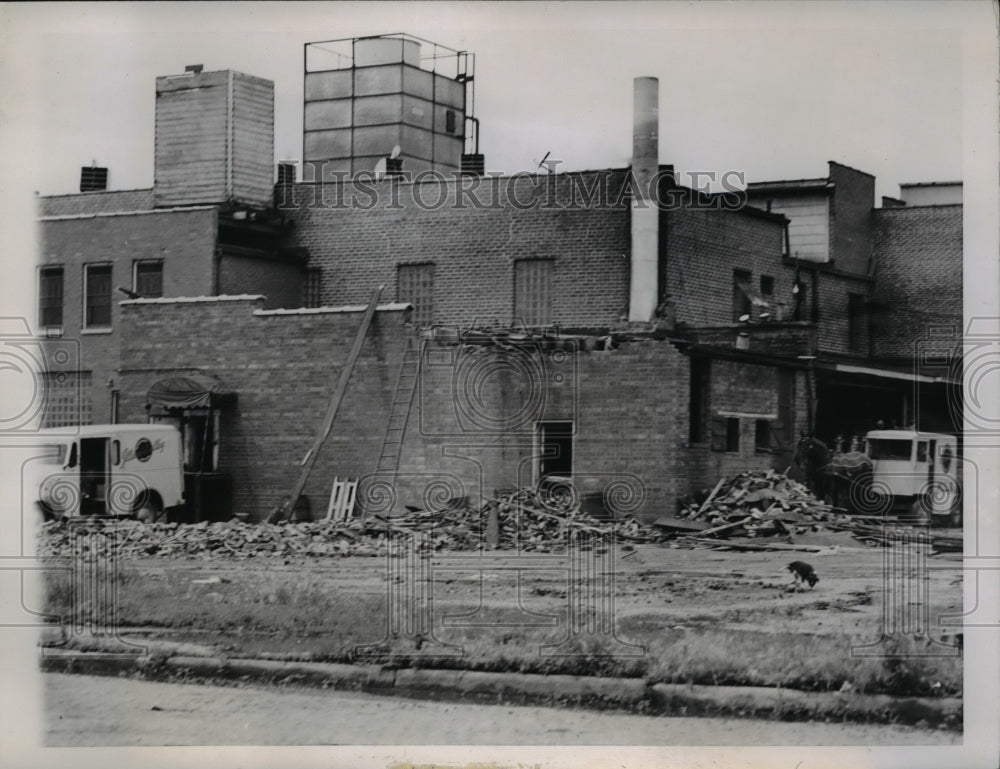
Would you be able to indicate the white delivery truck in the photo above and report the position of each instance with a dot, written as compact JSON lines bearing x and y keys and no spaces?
{"x":119,"y":470}
{"x":918,"y":473}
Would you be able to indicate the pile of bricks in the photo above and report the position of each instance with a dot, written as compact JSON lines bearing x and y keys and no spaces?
{"x":517,"y":519}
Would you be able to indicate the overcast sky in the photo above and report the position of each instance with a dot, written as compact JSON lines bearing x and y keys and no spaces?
{"x":774,"y":90}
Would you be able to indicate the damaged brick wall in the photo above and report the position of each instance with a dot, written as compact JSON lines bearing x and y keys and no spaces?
{"x":705,"y":246}
{"x":476,"y":420}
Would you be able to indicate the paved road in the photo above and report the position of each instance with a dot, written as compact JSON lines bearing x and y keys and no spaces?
{"x":94,"y":711}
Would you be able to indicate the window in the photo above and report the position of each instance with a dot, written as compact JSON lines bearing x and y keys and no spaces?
{"x":97,"y":289}
{"x":741,"y":302}
{"x":555,"y":449}
{"x":313,"y":289}
{"x":726,"y":434}
{"x":50,"y":297}
{"x":856,"y":317}
{"x":762,"y":435}
{"x":416,"y":286}
{"x":147,"y":279}
{"x":767,"y":285}
{"x":698,"y":399}
{"x":889,"y":448}
{"x":449,"y":121}
{"x":533,"y":292}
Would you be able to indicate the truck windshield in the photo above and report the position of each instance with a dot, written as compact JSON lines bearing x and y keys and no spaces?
{"x":881,"y":448}
{"x":54,"y":454}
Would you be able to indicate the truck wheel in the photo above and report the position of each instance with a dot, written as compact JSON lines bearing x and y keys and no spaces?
{"x":149,"y":508}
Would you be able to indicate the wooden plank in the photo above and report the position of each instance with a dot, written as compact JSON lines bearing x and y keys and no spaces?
{"x":681,"y":524}
{"x":711,"y":496}
{"x":332,"y":409}
{"x":727,"y":526}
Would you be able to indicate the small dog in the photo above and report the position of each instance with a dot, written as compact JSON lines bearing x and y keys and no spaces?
{"x":803,"y":573}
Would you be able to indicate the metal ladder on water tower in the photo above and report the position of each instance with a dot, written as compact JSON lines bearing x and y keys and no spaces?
{"x":399,"y":414}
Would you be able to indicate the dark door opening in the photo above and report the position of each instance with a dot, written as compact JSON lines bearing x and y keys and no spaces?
{"x":555,"y":449}
{"x":94,"y":476}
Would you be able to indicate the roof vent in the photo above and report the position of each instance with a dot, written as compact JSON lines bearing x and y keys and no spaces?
{"x":93,"y":179}
{"x":194,"y":69}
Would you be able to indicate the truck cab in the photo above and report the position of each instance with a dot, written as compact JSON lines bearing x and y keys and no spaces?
{"x":919,"y":472}
{"x":111,"y":470}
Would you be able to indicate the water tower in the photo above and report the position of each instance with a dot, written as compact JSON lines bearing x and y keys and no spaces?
{"x":364,"y":97}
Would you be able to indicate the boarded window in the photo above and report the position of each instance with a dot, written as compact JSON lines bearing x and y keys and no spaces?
{"x":741,"y":298}
{"x":856,"y":319}
{"x":50,"y":297}
{"x":533,"y":292}
{"x":725,"y":434}
{"x":148,"y":279}
{"x":698,"y":399}
{"x":313,"y":291}
{"x":97,"y":311}
{"x":416,"y":286}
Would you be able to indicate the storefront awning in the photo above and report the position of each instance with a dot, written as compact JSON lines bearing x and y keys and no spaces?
{"x":188,"y":392}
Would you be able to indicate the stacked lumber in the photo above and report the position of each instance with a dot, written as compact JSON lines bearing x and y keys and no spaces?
{"x":516,"y":519}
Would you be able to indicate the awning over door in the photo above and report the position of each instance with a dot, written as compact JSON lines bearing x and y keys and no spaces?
{"x":189,"y":392}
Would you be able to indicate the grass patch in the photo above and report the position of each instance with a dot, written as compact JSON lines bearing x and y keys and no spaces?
{"x":250,"y":612}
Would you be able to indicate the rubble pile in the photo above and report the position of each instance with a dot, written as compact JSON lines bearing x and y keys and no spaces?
{"x":753,"y":504}
{"x":516,"y":519}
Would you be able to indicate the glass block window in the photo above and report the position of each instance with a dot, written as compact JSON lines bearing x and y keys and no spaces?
{"x":97,"y":280}
{"x":416,"y":286}
{"x":50,"y":297}
{"x":148,"y":279}
{"x":533,"y":292}
{"x":67,"y":399}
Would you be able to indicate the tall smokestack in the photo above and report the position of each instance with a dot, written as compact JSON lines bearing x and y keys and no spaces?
{"x":645,"y":214}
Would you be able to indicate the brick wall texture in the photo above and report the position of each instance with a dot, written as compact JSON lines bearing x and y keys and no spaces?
{"x":96,"y":202}
{"x":851,"y":218}
{"x":280,"y":282}
{"x":185,"y":241}
{"x":919,"y":275}
{"x":472,"y":424}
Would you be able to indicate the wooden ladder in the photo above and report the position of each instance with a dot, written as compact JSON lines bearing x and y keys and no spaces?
{"x":399,"y":414}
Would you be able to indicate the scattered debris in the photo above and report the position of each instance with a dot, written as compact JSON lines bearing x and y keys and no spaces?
{"x":750,"y":511}
{"x":523,"y":519}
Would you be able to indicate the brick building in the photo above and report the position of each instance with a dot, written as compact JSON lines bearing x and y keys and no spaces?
{"x":611,"y":325}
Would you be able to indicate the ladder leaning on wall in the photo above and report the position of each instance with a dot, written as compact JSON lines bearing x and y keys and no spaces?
{"x":399,"y":415}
